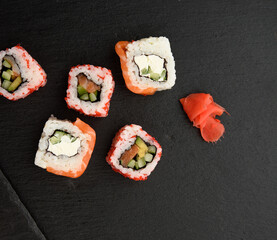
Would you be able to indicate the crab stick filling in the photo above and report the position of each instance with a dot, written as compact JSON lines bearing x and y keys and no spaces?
{"x":10,"y":74}
{"x":138,"y":155}
{"x":62,"y":143}
{"x":87,"y":89}
{"x":151,"y":66}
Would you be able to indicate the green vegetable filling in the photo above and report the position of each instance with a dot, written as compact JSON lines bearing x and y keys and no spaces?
{"x":145,"y":155}
{"x":81,"y":90}
{"x":10,"y":81}
{"x":15,"y":84}
{"x":6,"y":84}
{"x":6,"y":75}
{"x":6,"y":64}
{"x":85,"y":96}
{"x":57,"y":137}
{"x":153,"y":76}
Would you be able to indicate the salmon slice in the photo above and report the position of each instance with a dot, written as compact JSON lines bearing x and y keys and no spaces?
{"x":202,"y":110}
{"x":128,"y":155}
{"x":86,"y":129}
{"x":87,"y":84}
{"x":120,"y":49}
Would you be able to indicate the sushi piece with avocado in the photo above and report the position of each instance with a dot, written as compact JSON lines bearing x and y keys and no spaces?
{"x":20,"y":74}
{"x":134,"y":153}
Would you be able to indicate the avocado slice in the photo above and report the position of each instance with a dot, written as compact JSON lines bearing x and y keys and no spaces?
{"x":142,"y":147}
{"x":15,"y":84}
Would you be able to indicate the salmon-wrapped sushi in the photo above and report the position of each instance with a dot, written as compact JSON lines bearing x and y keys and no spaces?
{"x":134,"y":153}
{"x":90,"y":90}
{"x":20,"y":74}
{"x":65,"y":148}
{"x":147,"y":65}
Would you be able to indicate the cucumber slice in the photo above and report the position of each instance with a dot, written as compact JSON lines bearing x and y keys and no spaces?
{"x":84,"y":97}
{"x":92,"y":97}
{"x":144,"y":71}
{"x":81,"y":90}
{"x":6,"y":75}
{"x":148,"y":157}
{"x":72,"y":139}
{"x":155,"y":76}
{"x":54,"y":140}
{"x":96,"y":93}
{"x":132,"y":163}
{"x":152,"y":149}
{"x":136,"y":166}
{"x":163,"y":75}
{"x":58,"y":134}
{"x":6,"y":84}
{"x":7,"y":64}
{"x":15,"y":84}
{"x":141,"y":163}
{"x":9,"y":71}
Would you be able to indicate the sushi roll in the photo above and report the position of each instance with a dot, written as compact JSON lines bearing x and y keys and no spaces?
{"x":90,"y":90}
{"x":65,"y":148}
{"x":147,"y":65}
{"x":20,"y":73}
{"x":134,"y":153}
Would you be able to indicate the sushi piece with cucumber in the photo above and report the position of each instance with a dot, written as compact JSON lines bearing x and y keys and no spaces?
{"x":90,"y":90}
{"x":134,"y":153}
{"x":65,"y":148}
{"x":147,"y":65}
{"x":20,"y":74}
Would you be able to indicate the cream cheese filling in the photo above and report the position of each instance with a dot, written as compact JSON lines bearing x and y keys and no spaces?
{"x":151,"y":66}
{"x":65,"y":146}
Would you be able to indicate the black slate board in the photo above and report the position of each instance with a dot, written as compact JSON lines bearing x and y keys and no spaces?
{"x":22,"y":225}
{"x":198,"y":190}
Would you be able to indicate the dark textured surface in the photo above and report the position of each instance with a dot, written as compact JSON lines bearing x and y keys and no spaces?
{"x":199,"y":191}
{"x":16,"y":221}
